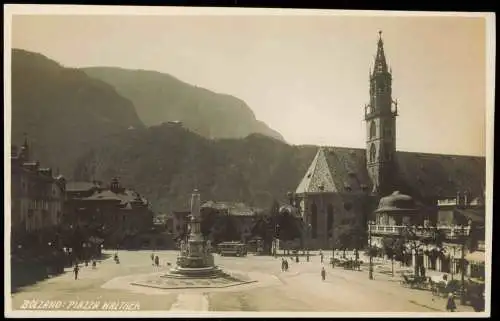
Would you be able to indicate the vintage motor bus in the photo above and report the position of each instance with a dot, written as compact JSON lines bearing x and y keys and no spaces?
{"x":232,"y":249}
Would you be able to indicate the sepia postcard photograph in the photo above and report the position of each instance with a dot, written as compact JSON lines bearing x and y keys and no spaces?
{"x":214,"y":162}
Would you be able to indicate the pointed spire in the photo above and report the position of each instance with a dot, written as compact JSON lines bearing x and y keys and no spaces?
{"x":380,"y":62}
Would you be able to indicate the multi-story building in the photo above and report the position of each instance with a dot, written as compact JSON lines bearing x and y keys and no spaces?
{"x":458,"y":233}
{"x":37,"y":207}
{"x":37,"y":200}
{"x":343,"y":186}
{"x":114,"y":213}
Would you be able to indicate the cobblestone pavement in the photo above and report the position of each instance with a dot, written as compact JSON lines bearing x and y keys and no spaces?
{"x":298,"y":290}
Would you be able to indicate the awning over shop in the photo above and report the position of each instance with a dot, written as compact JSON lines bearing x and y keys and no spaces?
{"x":475,"y":215}
{"x":476,"y":257}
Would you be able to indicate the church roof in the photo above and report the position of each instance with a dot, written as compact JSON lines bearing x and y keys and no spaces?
{"x":420,"y":175}
{"x":337,"y":169}
{"x":425,"y":175}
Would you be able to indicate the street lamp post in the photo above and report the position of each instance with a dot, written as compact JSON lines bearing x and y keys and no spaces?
{"x":392,"y":264}
{"x":333,"y":245}
{"x":309,"y":231}
{"x":370,"y":273}
{"x":276,"y":228}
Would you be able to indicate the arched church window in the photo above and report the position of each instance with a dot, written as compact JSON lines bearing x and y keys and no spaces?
{"x":329,"y":220}
{"x":314,"y":220}
{"x":373,"y":129}
{"x":373,"y":153}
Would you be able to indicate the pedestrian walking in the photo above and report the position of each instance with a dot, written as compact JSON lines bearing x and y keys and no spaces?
{"x":323,"y":273}
{"x":153,"y":258}
{"x":76,"y":269}
{"x":94,"y":264}
{"x":321,"y":256}
{"x":297,"y":258}
{"x":422,"y":271}
{"x":282,"y":264}
{"x":286,"y":265}
{"x":450,"y":303}
{"x":157,"y":261}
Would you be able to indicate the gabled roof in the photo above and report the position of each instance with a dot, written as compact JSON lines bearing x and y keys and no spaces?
{"x":319,"y":173}
{"x":338,"y":169}
{"x":127,"y":199}
{"x":420,"y":175}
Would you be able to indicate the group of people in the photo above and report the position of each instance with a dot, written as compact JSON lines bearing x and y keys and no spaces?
{"x":155,"y":260}
{"x":284,"y":265}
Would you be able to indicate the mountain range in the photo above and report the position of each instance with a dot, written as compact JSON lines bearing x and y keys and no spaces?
{"x":63,"y":111}
{"x":66,"y":112}
{"x":159,"y":97}
{"x":166,"y":162}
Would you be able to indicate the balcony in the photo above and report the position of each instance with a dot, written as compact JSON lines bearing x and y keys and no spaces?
{"x":450,"y":232}
{"x":447,"y":202}
{"x":371,"y":112}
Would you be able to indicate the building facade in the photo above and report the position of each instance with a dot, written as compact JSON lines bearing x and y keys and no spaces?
{"x":343,"y":186}
{"x":458,"y":234}
{"x":113,"y":213}
{"x":37,"y":198}
{"x":37,"y":207}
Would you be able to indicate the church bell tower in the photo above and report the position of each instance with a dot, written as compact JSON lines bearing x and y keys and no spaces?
{"x":380,"y":117}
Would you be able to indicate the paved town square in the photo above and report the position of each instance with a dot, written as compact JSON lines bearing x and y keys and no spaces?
{"x":266,"y":164}
{"x":300,"y":289}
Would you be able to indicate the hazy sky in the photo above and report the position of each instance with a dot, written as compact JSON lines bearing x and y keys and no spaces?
{"x":305,"y":76}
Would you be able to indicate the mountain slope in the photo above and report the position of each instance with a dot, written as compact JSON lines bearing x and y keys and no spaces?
{"x":159,"y":97}
{"x":62,"y":110}
{"x":165,"y":163}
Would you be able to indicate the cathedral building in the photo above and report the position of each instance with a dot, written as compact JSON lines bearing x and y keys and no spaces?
{"x":343,"y":186}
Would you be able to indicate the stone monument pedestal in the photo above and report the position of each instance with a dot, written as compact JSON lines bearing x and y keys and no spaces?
{"x":195,"y":267}
{"x":195,"y":259}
